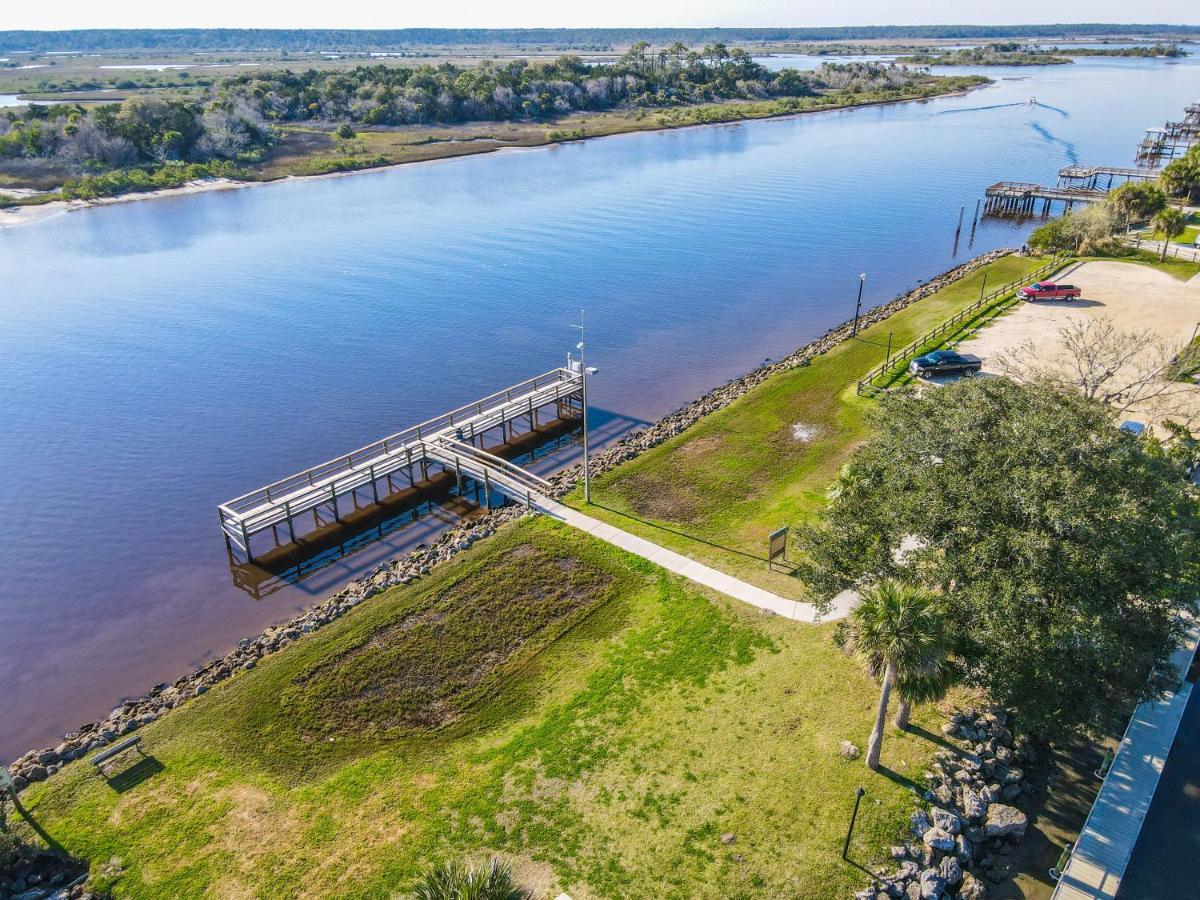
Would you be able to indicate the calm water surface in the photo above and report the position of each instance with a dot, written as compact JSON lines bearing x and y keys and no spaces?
{"x":159,"y":357}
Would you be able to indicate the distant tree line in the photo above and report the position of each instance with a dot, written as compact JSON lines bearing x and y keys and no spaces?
{"x":236,"y":124}
{"x":187,"y":39}
{"x":1015,"y":53}
{"x":673,"y":75}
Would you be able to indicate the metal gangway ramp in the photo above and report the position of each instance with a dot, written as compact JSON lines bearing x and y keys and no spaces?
{"x":447,"y":440}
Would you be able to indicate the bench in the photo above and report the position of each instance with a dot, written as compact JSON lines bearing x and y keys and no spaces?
{"x":116,"y":749}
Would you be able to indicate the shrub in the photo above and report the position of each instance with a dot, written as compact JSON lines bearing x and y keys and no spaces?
{"x":125,"y":181}
{"x":452,"y":881}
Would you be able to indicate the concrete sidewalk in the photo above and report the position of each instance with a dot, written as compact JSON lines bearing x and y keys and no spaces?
{"x":693,"y":570}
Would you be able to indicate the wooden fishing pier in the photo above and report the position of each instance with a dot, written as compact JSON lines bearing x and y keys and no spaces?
{"x":1089,"y":177}
{"x":1020,"y":198}
{"x":454,"y":442}
{"x":1087,"y":184}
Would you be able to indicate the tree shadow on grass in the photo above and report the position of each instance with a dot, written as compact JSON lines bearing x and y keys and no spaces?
{"x":682,"y":534}
{"x":903,"y":780}
{"x":920,"y":732}
{"x":34,"y":824}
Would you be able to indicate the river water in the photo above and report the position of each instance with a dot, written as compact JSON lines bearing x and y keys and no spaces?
{"x":159,"y":357}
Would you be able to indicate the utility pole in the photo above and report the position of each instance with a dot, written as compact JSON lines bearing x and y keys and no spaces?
{"x":862,"y":280}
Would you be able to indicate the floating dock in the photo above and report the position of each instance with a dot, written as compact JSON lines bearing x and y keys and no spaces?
{"x":454,"y":442}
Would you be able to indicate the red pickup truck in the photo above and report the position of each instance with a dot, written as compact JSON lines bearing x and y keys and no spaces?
{"x":1045,"y":290}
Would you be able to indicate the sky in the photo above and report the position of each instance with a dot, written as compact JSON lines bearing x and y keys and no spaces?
{"x":65,"y":14}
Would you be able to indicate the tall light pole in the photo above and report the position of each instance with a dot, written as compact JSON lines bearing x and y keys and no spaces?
{"x":862,"y":280}
{"x":584,"y":372}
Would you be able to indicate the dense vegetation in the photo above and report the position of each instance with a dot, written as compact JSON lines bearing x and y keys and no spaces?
{"x":1005,"y":54}
{"x":391,"y":95}
{"x":1151,"y":51}
{"x":376,"y":39}
{"x":158,"y":142}
{"x":1062,"y":547}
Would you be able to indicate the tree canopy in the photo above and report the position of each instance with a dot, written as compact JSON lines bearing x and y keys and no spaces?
{"x":1063,"y":546}
{"x":235,"y":123}
{"x":1181,"y":178}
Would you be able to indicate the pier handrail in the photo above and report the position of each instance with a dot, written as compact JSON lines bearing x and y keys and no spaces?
{"x":347,"y":462}
{"x":866,"y":382}
{"x":1015,"y":185}
{"x":490,"y":459}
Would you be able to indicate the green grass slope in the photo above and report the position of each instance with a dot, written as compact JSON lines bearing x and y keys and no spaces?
{"x":545,"y":698}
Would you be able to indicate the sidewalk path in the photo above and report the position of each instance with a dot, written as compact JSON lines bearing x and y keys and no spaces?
{"x":693,"y":570}
{"x":1102,"y":852}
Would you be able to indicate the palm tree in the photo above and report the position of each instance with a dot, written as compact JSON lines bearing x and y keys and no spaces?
{"x":1172,"y":223}
{"x":899,"y":632}
{"x":451,"y":881}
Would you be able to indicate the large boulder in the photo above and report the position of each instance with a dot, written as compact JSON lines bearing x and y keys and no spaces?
{"x":947,"y":821}
{"x":963,"y":849}
{"x":951,"y":870}
{"x":908,"y":870}
{"x":938,"y":839}
{"x":920,"y":823}
{"x":1005,"y":821}
{"x":971,"y":888}
{"x":974,"y":807}
{"x":932,"y":884}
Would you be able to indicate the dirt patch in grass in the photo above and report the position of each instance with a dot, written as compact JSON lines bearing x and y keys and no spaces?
{"x":683,"y":502}
{"x":424,"y":668}
{"x":647,"y":496}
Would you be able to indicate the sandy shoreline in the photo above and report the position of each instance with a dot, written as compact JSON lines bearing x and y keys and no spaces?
{"x":28,"y":215}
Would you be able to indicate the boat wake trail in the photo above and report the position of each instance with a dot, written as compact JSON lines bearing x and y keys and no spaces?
{"x":1061,"y":112}
{"x":1068,"y":147}
{"x":947,"y":112}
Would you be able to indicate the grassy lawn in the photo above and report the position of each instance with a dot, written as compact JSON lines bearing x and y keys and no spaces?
{"x":716,"y":491}
{"x":1188,"y":237}
{"x":544,"y":698}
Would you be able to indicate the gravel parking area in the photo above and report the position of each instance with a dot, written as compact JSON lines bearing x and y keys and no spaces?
{"x":1133,"y":297}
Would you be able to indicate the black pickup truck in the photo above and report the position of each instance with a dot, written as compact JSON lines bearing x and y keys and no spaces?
{"x":945,"y":362}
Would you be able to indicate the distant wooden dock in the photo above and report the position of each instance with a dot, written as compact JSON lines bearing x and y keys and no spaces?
{"x":1087,"y":184}
{"x":1162,"y":145}
{"x":1089,"y":177}
{"x":1021,"y":198}
{"x":454,"y":442}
